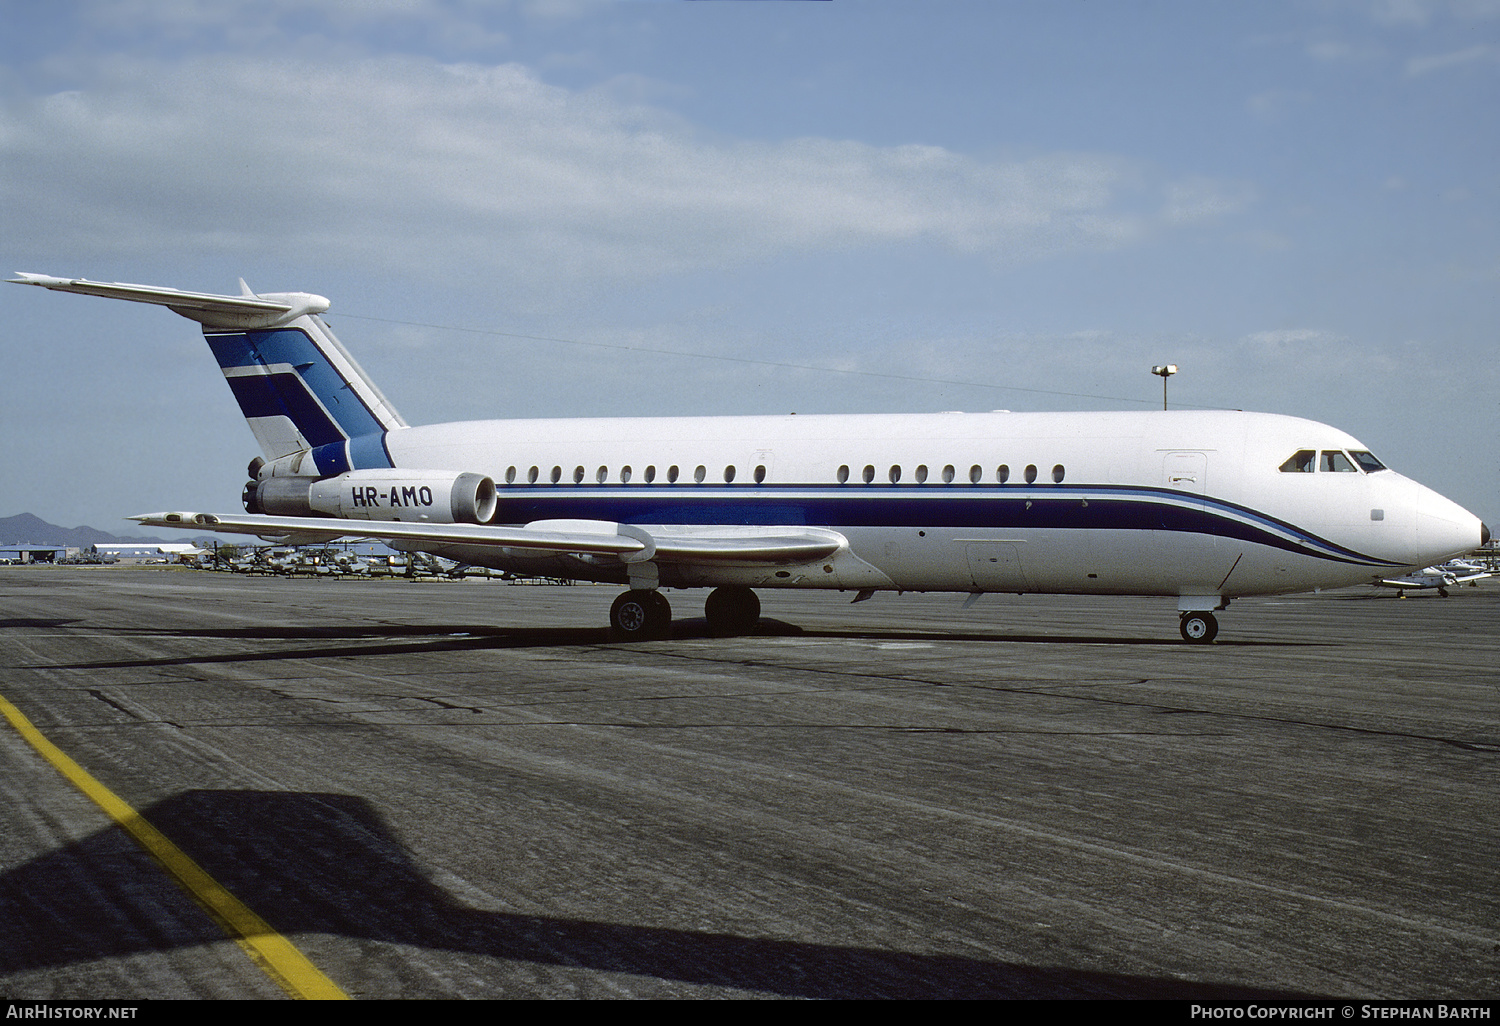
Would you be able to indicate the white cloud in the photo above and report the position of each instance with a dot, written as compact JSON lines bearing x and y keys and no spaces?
{"x":1420,"y":13}
{"x":401,"y":162}
{"x":1272,"y":105}
{"x":1200,"y":200}
{"x":1418,"y":66}
{"x":1288,"y":340}
{"x":1402,"y":12}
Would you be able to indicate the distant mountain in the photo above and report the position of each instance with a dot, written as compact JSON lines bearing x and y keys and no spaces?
{"x":24,"y":528}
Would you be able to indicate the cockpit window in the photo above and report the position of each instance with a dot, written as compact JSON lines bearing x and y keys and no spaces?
{"x":1335,"y":462}
{"x":1366,"y":460}
{"x":1303,"y":461}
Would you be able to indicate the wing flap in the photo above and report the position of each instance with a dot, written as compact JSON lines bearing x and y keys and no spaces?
{"x":627,"y":542}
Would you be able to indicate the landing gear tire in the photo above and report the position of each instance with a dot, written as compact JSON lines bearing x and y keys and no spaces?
{"x":640,"y":614}
{"x":731,"y":610}
{"x":1199,"y":628}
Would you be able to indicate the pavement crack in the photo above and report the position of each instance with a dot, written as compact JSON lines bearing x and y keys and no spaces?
{"x":101,"y":696}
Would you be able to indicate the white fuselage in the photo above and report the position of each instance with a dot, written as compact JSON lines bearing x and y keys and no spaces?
{"x":1201,"y":505}
{"x":1170,"y":503}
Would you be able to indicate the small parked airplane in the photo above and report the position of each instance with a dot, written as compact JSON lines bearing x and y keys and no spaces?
{"x":1201,"y":506}
{"x":1442,"y":577}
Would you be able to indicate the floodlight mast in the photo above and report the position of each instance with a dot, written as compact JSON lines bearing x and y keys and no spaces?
{"x":1164,"y":372}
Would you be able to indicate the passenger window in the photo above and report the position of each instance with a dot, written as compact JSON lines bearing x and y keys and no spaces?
{"x":948,"y":474}
{"x":1366,"y":460}
{"x":531,"y":475}
{"x":556,"y":474}
{"x":510,"y":475}
{"x":672,"y":474}
{"x":728,"y":474}
{"x":975,"y":474}
{"x":601,"y":475}
{"x":1058,"y":473}
{"x":760,"y":475}
{"x":1335,"y":462}
{"x":869,"y":474}
{"x":895,"y":475}
{"x":651,"y":473}
{"x":1031,"y":473}
{"x":922,"y":474}
{"x":843,"y":475}
{"x":578,"y":475}
{"x":624,"y":475}
{"x":1301,"y":462}
{"x":700,"y":473}
{"x":1002,"y":473}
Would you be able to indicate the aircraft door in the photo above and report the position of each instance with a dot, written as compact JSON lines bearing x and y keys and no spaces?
{"x":1186,"y":471}
{"x":1186,"y":558}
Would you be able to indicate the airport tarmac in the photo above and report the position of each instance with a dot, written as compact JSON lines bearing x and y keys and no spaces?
{"x":465,"y":789}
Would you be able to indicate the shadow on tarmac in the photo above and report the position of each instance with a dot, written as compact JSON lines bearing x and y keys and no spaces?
{"x":327,"y":864}
{"x":394,"y":639}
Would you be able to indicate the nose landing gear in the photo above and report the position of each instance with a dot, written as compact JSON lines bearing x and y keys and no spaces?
{"x":1199,"y":628}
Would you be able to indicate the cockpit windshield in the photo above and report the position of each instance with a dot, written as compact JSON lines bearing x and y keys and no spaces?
{"x":1303,"y":461}
{"x":1333,"y":461}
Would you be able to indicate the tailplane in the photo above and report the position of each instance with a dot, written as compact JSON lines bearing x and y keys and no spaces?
{"x":297,"y":385}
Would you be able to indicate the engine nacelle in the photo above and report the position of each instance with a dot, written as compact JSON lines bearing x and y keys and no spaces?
{"x":424,"y":496}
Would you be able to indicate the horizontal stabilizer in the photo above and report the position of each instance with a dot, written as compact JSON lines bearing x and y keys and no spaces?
{"x":214,"y":311}
{"x":626,"y":542}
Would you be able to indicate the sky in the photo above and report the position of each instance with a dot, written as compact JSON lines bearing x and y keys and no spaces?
{"x":630,"y":207}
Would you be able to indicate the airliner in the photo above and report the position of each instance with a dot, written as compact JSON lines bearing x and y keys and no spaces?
{"x":1200,"y":506}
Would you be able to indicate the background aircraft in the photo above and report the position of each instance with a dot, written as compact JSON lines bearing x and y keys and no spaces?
{"x":1447,"y":575}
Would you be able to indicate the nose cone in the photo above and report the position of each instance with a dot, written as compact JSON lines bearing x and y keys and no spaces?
{"x":1445,"y":529}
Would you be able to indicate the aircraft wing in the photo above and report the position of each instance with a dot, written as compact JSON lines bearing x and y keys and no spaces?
{"x":627,"y":542}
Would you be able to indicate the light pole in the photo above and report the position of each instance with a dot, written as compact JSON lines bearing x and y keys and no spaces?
{"x":1164,"y":372}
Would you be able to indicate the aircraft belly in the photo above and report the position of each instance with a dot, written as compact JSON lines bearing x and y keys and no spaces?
{"x":1113,"y":542}
{"x":528,"y":563}
{"x":996,"y":566}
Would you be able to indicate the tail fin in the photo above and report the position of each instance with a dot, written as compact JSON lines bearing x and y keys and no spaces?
{"x":295,"y":382}
{"x":300,"y":389}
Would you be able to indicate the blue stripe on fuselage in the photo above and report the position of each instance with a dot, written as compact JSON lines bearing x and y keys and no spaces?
{"x":1112,"y":508}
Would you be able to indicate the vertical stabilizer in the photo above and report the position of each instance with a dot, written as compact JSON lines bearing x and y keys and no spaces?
{"x":300,"y":389}
{"x":295,"y":382}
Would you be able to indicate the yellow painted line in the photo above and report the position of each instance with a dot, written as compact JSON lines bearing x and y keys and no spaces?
{"x":277,"y":957}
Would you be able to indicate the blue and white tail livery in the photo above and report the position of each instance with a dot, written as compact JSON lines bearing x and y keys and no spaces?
{"x":1202,"y":506}
{"x":301,"y":391}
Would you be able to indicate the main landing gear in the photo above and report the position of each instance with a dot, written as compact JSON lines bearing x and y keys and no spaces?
{"x":732,"y":610}
{"x":641,"y":613}
{"x":1199,"y":628}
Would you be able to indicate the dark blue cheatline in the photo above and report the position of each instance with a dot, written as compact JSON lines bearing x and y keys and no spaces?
{"x":1072,"y":507}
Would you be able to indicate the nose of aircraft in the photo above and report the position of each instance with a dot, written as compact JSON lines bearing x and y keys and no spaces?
{"x":1445,"y":529}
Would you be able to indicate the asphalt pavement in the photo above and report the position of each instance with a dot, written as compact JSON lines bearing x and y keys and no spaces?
{"x":467,"y":789}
